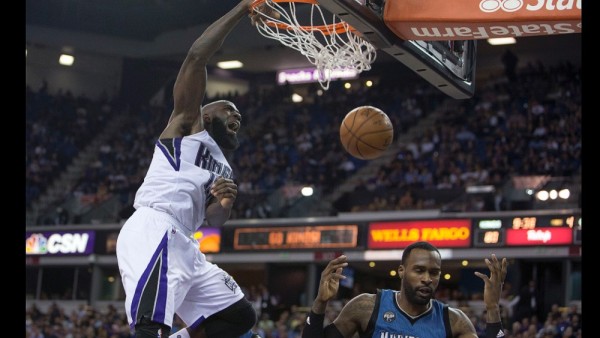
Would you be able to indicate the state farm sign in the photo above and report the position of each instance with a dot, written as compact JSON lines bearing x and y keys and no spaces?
{"x":470,"y":20}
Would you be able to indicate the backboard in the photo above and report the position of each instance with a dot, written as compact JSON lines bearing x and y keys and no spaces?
{"x":415,"y":31}
{"x":437,"y":39}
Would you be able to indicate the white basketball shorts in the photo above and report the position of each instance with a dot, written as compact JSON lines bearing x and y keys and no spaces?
{"x":164,"y":272}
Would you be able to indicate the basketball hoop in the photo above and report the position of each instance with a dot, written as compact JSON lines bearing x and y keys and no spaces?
{"x":330,"y":45}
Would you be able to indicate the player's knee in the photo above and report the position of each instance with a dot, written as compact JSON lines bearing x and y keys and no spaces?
{"x":233,"y":321}
{"x":242,"y":313}
{"x":146,"y":328}
{"x":247,"y":313}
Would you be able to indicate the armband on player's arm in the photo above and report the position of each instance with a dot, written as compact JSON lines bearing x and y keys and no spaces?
{"x":331,"y":331}
{"x":494,"y":330}
{"x":314,"y":326}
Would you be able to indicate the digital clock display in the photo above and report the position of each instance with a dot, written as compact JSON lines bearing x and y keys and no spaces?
{"x":526,"y":230}
{"x":526,"y":222}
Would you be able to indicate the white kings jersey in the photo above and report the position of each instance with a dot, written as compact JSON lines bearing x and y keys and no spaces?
{"x":180,"y":176}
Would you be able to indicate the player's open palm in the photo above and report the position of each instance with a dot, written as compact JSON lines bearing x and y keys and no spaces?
{"x":264,"y":11}
{"x":330,"y":278}
{"x":493,"y":283}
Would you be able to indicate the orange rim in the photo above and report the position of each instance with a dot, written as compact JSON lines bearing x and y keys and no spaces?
{"x":340,"y":27}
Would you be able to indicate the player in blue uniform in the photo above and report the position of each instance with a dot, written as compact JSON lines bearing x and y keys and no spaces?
{"x":411,"y":312}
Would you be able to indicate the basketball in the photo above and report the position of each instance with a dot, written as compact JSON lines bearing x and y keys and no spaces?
{"x":366,"y":132}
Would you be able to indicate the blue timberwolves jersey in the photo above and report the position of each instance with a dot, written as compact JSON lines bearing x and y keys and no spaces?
{"x":389,"y":321}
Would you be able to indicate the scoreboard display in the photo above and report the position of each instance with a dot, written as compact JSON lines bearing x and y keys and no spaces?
{"x":296,"y":237}
{"x":489,"y":238}
{"x":526,"y":230}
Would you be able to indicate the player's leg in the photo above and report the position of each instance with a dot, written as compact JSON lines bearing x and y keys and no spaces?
{"x":200,"y":333}
{"x":234,"y":321}
{"x":215,"y":305}
{"x":145,"y":328}
{"x":147,"y":247}
{"x":250,"y":334}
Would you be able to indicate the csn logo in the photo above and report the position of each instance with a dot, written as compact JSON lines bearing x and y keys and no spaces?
{"x":67,"y":243}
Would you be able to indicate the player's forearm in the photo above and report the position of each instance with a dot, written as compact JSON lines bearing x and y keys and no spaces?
{"x":217,"y":215}
{"x":492,"y":314}
{"x":319,"y":307}
{"x":212,"y":39}
{"x":190,"y":86}
{"x":493,"y":322}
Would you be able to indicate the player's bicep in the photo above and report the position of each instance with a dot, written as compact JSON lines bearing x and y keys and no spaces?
{"x":354,"y":316}
{"x":188,"y":91}
{"x":462,"y":327}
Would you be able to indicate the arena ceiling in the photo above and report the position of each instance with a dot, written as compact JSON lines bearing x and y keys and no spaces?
{"x":165,"y":29}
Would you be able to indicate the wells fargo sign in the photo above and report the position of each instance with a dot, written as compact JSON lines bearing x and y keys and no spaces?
{"x":444,"y":233}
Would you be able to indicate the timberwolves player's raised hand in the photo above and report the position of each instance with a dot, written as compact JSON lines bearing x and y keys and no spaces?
{"x":330,"y":282}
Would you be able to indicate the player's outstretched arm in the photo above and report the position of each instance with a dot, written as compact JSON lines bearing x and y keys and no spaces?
{"x":190,"y":85}
{"x":328,"y":288}
{"x":491,"y":294}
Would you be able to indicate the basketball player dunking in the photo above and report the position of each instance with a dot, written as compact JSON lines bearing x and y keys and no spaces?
{"x":189,"y":181}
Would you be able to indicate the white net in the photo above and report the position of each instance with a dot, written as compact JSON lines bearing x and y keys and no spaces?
{"x":330,"y":45}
